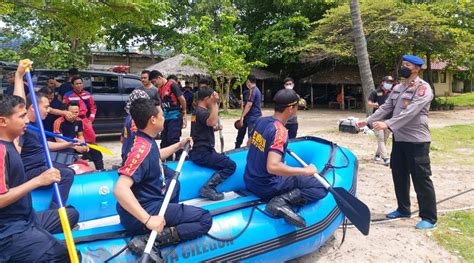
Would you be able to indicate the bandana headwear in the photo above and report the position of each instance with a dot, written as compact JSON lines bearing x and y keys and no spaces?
{"x":286,"y":97}
{"x":136,"y":94}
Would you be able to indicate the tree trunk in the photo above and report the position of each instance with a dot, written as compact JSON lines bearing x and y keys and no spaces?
{"x":362,"y":55}
{"x":429,"y":72}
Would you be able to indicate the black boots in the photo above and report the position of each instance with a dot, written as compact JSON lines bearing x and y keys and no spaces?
{"x":279,"y":206}
{"x":209,"y":189}
{"x":169,"y":236}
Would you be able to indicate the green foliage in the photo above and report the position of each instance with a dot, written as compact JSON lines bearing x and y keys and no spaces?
{"x":393,"y":28}
{"x":276,"y":43}
{"x":276,"y":28}
{"x":455,"y":232}
{"x":220,"y":51}
{"x":9,"y":55}
{"x":70,"y":29}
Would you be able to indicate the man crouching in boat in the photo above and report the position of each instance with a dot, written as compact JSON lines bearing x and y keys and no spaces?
{"x":203,"y":124}
{"x":267,"y":176}
{"x":140,"y":187}
{"x":25,"y":236}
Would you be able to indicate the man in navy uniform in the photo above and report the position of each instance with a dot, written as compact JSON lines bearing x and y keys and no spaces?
{"x":25,"y":236}
{"x":242,"y":131}
{"x":266,"y":174}
{"x":253,"y":107}
{"x":140,"y":189}
{"x":409,"y":104}
{"x":203,"y":125}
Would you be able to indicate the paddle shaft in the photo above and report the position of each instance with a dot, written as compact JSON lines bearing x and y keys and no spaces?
{"x":164,"y":206}
{"x":96,"y":147}
{"x":61,"y":209}
{"x":319,"y":177}
{"x":221,"y":137}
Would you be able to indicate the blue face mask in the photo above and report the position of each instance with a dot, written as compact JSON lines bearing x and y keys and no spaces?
{"x":387,"y":86}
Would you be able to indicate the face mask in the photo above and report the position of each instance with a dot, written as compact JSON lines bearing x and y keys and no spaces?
{"x":405,"y":72}
{"x":387,"y":86}
{"x":289,"y":86}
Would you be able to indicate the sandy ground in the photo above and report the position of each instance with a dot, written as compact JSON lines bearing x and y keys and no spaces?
{"x":390,"y":241}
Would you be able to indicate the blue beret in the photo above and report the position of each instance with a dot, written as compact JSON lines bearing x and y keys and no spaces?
{"x":413,"y":59}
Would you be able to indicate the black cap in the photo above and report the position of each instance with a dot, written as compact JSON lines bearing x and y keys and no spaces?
{"x":286,"y":97}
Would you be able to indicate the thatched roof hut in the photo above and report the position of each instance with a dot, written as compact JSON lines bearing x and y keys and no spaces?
{"x":175,"y":66}
{"x":263,"y":74}
{"x":343,"y":75}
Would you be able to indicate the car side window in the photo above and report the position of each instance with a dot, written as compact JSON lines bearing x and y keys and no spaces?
{"x":104,"y":84}
{"x":129,"y":84}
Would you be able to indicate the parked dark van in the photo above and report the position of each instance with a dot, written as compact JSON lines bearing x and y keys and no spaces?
{"x":109,"y":90}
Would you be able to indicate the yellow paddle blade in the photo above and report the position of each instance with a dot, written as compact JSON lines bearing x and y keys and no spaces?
{"x":100,"y":149}
{"x":71,"y":247}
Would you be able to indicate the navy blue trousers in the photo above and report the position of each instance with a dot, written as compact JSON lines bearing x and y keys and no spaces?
{"x":311,"y":189}
{"x":190,"y":222}
{"x":250,"y":123}
{"x":171,"y":134}
{"x":292,"y":130}
{"x":208,"y":157}
{"x":36,"y":244}
{"x":240,"y":136}
{"x":67,"y":177}
{"x":96,"y":157}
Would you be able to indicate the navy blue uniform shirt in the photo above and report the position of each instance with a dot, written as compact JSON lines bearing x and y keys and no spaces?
{"x":379,"y":95}
{"x":67,"y":128}
{"x":48,"y":123}
{"x":32,"y":152}
{"x":128,"y":134}
{"x":16,"y":217}
{"x":254,"y":96}
{"x":203,"y":135}
{"x":64,"y":88}
{"x":142,"y":165}
{"x":268,"y":135}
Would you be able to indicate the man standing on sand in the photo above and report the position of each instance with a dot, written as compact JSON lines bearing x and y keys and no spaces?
{"x":376,"y":99}
{"x":253,"y":109}
{"x":409,"y":103}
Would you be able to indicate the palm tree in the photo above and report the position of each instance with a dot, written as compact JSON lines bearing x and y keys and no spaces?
{"x":361,"y":51}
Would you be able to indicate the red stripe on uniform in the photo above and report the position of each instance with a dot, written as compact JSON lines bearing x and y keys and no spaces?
{"x":140,"y":149}
{"x":57,"y":125}
{"x":281,"y":136}
{"x":3,"y":169}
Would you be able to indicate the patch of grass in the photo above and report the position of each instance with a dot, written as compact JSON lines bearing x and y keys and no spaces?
{"x":452,"y":137}
{"x":466,"y":99}
{"x":455,"y":232}
{"x":231,"y":114}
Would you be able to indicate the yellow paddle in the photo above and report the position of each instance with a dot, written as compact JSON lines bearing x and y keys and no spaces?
{"x":90,"y":145}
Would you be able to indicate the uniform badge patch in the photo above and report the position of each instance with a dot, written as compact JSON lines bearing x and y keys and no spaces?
{"x":421,"y":91}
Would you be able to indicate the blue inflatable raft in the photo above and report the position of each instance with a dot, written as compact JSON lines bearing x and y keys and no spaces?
{"x":241,"y":230}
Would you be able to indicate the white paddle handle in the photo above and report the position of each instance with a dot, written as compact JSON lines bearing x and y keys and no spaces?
{"x":166,"y":201}
{"x":320,"y":179}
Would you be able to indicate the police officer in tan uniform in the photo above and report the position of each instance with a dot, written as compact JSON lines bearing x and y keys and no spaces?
{"x":409,"y":103}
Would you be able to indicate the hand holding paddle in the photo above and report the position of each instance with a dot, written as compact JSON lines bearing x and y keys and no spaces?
{"x":92,"y":146}
{"x":356,"y":211}
{"x":71,"y":246}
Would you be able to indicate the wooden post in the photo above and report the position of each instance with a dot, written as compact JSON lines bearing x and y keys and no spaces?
{"x":312,"y":98}
{"x":263,"y":93}
{"x":343,"y":99}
